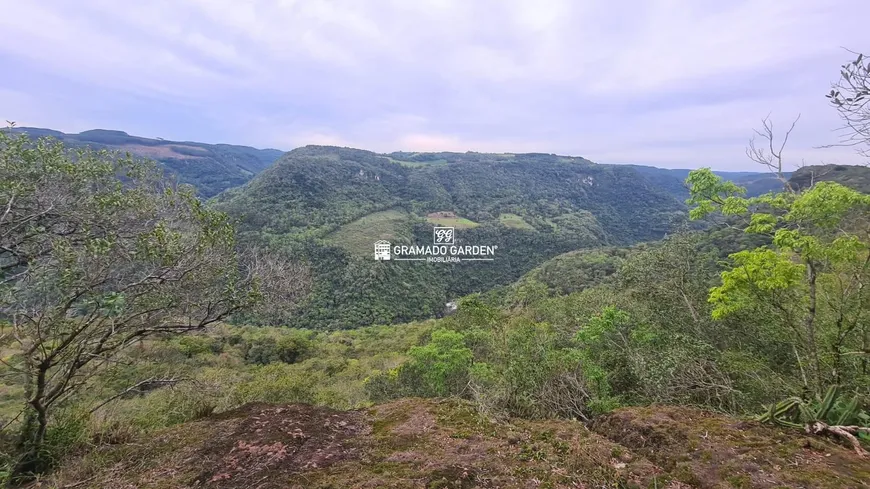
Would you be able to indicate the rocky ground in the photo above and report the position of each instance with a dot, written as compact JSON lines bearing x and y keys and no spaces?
{"x":445,"y":444}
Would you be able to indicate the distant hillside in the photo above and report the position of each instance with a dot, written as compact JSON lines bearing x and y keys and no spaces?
{"x":329,"y":205}
{"x":756,"y":183}
{"x":854,"y":176}
{"x":211,"y":168}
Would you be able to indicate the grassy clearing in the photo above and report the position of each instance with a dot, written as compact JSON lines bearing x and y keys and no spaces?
{"x":514,"y":221}
{"x":456,"y":222}
{"x":359,"y":236}
{"x":419,"y":164}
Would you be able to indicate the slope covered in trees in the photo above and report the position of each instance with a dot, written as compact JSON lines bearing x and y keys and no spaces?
{"x":211,"y":168}
{"x":673,"y":180}
{"x":853,"y":176}
{"x":329,"y":205}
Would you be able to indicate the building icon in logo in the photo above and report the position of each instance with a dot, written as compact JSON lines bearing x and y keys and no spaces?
{"x":382,"y":250}
{"x":444,"y":236}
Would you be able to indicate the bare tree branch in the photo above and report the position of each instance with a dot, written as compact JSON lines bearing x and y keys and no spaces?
{"x":771,"y":156}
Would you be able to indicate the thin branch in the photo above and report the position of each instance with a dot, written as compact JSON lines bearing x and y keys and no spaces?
{"x":133,"y":387}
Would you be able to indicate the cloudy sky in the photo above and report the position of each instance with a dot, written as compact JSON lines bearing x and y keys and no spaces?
{"x":669,"y":83}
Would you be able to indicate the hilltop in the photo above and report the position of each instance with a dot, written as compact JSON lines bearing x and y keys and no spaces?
{"x":431,"y":443}
{"x":211,"y":168}
{"x":854,"y":176}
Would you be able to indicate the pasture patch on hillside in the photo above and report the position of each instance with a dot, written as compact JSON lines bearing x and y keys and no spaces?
{"x":359,"y":236}
{"x":514,"y":221}
{"x":419,"y":164}
{"x":449,"y":219}
{"x":165,"y":151}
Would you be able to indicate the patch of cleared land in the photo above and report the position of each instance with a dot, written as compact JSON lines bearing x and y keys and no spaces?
{"x":456,"y":222}
{"x":418,"y":164}
{"x":359,"y":236}
{"x":163,"y":151}
{"x":514,"y":221}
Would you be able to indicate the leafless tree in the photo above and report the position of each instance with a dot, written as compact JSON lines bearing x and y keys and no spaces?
{"x":850,"y":95}
{"x":769,"y":152}
{"x":283,"y":284}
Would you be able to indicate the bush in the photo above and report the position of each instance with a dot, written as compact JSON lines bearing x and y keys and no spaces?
{"x":278,"y":383}
{"x":437,"y":369}
{"x":288,"y":348}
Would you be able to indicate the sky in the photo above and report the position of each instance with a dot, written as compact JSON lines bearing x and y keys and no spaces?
{"x":668,"y":83}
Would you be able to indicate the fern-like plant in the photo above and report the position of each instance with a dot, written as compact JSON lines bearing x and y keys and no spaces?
{"x":829,"y":415}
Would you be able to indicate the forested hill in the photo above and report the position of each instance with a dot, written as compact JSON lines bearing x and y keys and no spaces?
{"x":672,"y":180}
{"x":211,"y":168}
{"x":329,"y":205}
{"x":854,"y":176}
{"x":319,"y":187}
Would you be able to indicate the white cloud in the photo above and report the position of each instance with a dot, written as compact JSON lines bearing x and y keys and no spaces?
{"x":668,"y":82}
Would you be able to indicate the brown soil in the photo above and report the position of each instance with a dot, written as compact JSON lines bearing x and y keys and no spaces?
{"x":444,"y":444}
{"x":711,"y":450}
{"x":272,"y":444}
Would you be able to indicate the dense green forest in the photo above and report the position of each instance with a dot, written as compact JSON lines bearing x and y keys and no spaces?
{"x":328,"y":206}
{"x":673,"y":181}
{"x":857,"y":177}
{"x":614,"y":312}
{"x":756,"y":304}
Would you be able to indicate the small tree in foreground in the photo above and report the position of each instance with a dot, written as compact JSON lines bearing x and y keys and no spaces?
{"x":813,"y":281}
{"x":98,"y":252}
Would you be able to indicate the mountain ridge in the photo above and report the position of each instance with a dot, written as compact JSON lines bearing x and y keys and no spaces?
{"x":211,"y":168}
{"x":237,"y":164}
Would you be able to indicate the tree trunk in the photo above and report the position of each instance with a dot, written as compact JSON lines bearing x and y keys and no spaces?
{"x":32,"y":439}
{"x":30,"y":461}
{"x":811,"y":329}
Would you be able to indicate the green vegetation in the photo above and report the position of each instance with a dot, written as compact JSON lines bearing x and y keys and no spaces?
{"x":514,"y":221}
{"x":99,"y":252}
{"x":327,"y":206}
{"x":358,"y":236}
{"x":129,"y":307}
{"x":576,"y":337}
{"x":578,"y":270}
{"x":673,"y":181}
{"x":457,"y":222}
{"x":809,"y":281}
{"x":852,"y":176}
{"x":211,"y":168}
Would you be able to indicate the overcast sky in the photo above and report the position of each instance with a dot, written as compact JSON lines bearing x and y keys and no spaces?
{"x":661,"y":82}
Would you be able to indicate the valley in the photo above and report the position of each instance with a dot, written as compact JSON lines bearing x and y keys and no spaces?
{"x":330,"y":205}
{"x":440,"y":244}
{"x":589,"y":351}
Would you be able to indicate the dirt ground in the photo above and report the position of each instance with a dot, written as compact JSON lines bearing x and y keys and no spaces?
{"x":417,"y":443}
